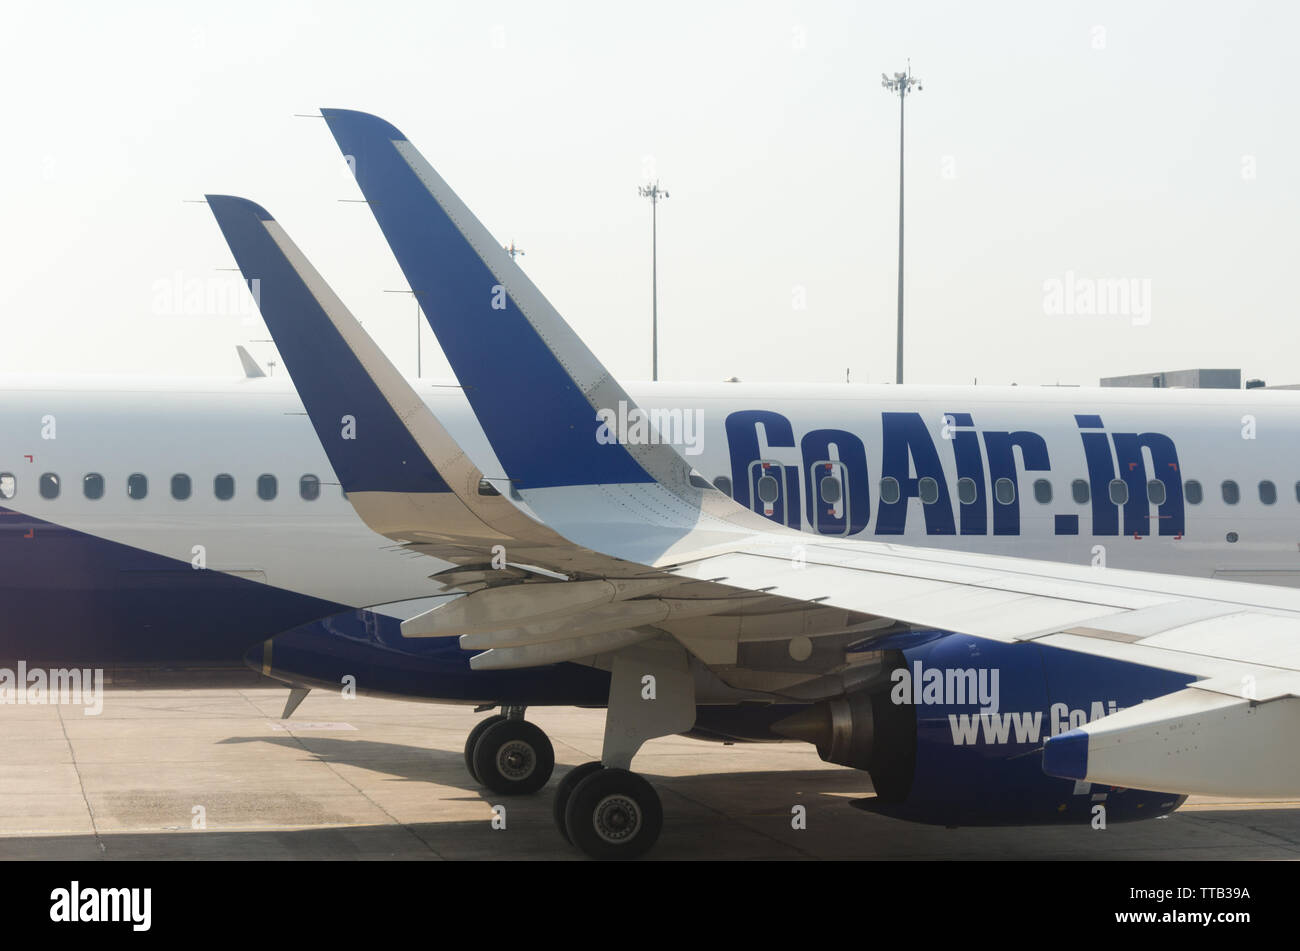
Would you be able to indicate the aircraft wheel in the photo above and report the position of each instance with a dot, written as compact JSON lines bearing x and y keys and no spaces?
{"x":479,"y":729}
{"x":565,"y":790}
{"x":513,"y":757}
{"x":613,"y":814}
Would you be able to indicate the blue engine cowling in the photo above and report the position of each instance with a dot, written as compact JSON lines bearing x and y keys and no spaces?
{"x":939,"y":755}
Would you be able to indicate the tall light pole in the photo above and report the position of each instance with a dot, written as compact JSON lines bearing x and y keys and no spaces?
{"x":901,"y":85}
{"x":654,"y":193}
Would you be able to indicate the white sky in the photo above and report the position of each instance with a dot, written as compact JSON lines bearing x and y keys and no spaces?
{"x":1107,"y":139}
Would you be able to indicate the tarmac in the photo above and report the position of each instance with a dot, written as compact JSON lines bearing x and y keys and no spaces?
{"x":214,"y":773}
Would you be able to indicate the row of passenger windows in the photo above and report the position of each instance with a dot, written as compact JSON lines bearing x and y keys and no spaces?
{"x":49,"y":485}
{"x":1004,"y":490}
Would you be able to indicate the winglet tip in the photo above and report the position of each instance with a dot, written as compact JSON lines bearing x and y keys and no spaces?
{"x":220,"y":203}
{"x":345,"y":119}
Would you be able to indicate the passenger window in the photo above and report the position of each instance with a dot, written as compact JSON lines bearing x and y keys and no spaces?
{"x":8,"y":485}
{"x":1156,"y":492}
{"x":1004,"y":490}
{"x":723,"y":485}
{"x":1079,"y":490}
{"x":768,"y":490}
{"x":1042,"y":491}
{"x":1231,"y":494}
{"x":137,"y":486}
{"x":181,"y":486}
{"x":699,"y":481}
{"x":1118,"y":492}
{"x":266,"y":487}
{"x":831,"y":490}
{"x":485,"y":488}
{"x":889,"y":490}
{"x":223,"y":486}
{"x":966,"y":490}
{"x":1267,"y":492}
{"x":309,"y":487}
{"x":928,"y":489}
{"x":1192,"y":492}
{"x":92,"y":484}
{"x":49,"y":485}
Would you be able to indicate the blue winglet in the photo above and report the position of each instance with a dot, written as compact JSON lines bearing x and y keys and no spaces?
{"x":367,"y":444}
{"x":540,"y":422}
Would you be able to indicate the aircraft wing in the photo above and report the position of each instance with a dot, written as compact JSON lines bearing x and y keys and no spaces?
{"x":635,"y":550}
{"x":542,"y":396}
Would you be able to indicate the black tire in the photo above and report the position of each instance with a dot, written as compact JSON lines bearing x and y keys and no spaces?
{"x":513,"y":757}
{"x":472,"y":740}
{"x":614,"y":814}
{"x":565,"y":790}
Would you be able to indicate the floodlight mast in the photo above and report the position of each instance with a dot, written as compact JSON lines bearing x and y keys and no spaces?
{"x":654,"y":193}
{"x":901,"y":84}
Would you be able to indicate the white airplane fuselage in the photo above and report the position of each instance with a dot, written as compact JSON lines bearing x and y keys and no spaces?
{"x":988,"y":469}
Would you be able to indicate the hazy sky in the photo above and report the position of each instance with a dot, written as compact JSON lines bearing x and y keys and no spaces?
{"x":1054,"y":145}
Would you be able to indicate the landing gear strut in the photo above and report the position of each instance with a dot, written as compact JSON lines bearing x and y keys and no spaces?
{"x":509,"y":755}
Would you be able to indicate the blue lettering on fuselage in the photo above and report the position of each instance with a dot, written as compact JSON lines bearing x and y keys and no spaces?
{"x":830,"y":487}
{"x":907,"y":445}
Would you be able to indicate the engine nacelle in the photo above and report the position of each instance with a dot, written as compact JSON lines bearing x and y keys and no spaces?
{"x":955,"y":736}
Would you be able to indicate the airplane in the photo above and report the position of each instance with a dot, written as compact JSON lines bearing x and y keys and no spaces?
{"x":208,"y":520}
{"x":582,"y":539}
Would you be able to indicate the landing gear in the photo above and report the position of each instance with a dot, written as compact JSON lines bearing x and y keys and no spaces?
{"x":511,"y":756}
{"x":613,"y":814}
{"x":603,"y":808}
